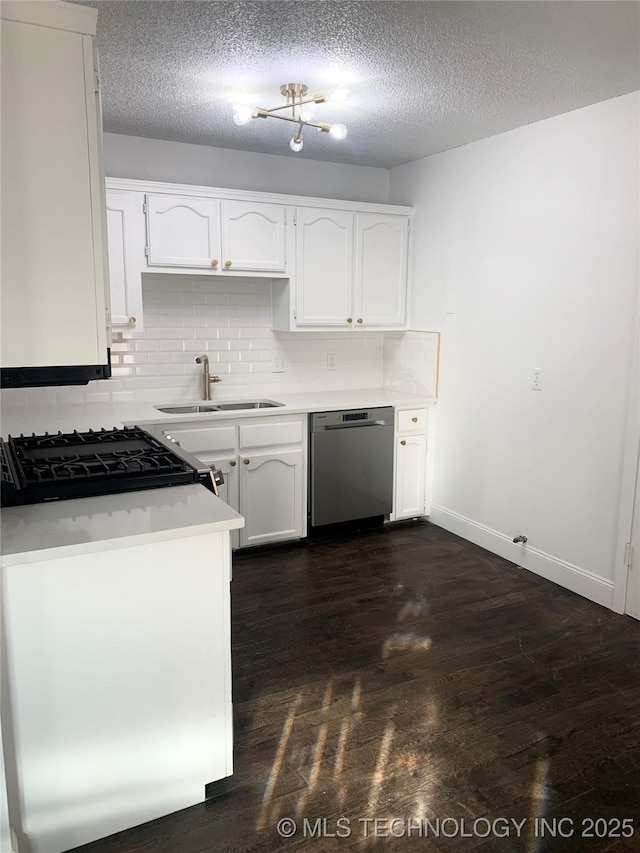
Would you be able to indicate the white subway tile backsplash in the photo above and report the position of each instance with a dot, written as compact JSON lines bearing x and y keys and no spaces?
{"x":230,"y":320}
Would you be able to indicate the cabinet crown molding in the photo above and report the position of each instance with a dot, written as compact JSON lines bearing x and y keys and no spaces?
{"x":248,"y":195}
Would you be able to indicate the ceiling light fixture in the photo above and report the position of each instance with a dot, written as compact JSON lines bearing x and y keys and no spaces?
{"x":302,"y":111}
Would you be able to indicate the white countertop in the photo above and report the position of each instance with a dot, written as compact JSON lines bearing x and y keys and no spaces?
{"x":86,"y":525}
{"x":109,"y":521}
{"x":15,"y":420}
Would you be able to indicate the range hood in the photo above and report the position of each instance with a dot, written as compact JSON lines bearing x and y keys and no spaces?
{"x":69,"y":374}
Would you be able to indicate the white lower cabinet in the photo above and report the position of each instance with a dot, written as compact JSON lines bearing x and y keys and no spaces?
{"x":411,"y":455}
{"x":121,"y":696}
{"x":410,"y":464}
{"x":272,"y":497}
{"x":263,"y":462}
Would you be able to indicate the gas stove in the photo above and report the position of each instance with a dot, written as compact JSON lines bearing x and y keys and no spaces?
{"x":61,"y":466}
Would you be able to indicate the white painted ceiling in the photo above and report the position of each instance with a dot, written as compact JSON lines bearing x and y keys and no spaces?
{"x":424,"y":76}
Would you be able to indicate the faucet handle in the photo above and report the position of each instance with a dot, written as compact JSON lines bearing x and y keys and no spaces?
{"x":215,"y":379}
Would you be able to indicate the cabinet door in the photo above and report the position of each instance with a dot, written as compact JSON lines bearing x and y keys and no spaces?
{"x":54,"y":273}
{"x":183,"y":231}
{"x":272,"y":496}
{"x":229,"y":491}
{"x":410,"y":476}
{"x":324,"y":267}
{"x":253,"y":236}
{"x":381,"y":270}
{"x":125,"y":273}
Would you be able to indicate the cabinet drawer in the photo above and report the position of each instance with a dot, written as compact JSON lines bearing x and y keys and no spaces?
{"x":269,"y":434}
{"x":208,"y":438}
{"x":412,"y":420}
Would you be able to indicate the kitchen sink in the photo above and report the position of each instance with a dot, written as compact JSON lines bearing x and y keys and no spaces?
{"x":258,"y":404}
{"x":218,"y":407}
{"x":185,"y":410}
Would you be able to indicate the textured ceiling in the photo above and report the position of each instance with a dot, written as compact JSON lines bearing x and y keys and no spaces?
{"x":424,"y":76}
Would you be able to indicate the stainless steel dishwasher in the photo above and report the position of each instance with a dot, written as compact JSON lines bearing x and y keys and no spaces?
{"x":351,"y":466}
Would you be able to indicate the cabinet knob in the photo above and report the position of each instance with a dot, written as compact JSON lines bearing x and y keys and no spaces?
{"x":227,"y":263}
{"x":214,"y":262}
{"x":360,"y":320}
{"x":132,"y":321}
{"x":403,"y":442}
{"x":233,"y":463}
{"x":246,"y":461}
{"x":415,"y":420}
{"x":349,"y":319}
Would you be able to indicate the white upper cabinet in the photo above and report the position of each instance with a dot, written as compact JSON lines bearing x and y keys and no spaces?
{"x":381,"y":270}
{"x":253,"y":236}
{"x":183,"y":231}
{"x":221,"y":236}
{"x":351,"y":270}
{"x":340,"y":266}
{"x":124,"y":213}
{"x":54,"y":273}
{"x":324,"y":267}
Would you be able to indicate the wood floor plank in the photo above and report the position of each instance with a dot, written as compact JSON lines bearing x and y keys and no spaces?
{"x":430,"y":680}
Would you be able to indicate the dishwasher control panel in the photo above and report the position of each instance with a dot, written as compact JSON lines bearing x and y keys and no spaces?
{"x":356,"y":417}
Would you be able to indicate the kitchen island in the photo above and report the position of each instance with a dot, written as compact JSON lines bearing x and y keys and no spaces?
{"x":116,"y":676}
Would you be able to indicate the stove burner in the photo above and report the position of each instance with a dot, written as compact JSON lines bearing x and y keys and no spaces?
{"x":67,"y":465}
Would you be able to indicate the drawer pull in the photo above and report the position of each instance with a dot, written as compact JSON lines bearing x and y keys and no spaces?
{"x":233,"y":463}
{"x":415,"y":420}
{"x":247,"y":461}
{"x":403,"y":442}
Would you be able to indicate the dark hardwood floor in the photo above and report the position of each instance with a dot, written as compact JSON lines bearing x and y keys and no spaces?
{"x":409,"y":674}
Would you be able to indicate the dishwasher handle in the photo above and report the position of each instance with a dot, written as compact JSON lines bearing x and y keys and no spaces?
{"x":353,"y":425}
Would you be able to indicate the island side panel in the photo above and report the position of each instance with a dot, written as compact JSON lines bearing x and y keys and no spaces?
{"x":119,"y":680}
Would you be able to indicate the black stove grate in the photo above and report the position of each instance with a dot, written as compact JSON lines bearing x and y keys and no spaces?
{"x":77,"y":464}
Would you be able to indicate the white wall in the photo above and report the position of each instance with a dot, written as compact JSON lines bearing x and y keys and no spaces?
{"x":526,"y":255}
{"x":177,"y":162}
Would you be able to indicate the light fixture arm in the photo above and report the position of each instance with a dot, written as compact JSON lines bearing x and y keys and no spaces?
{"x":295,"y":95}
{"x":260,"y":113}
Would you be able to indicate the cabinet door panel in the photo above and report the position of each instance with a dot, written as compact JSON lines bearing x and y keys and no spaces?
{"x":229,"y":491}
{"x":381,"y":269}
{"x":182,"y":231}
{"x":53,"y":273}
{"x":324,"y":267}
{"x":410,"y":476}
{"x":253,"y":236}
{"x":273,"y":497}
{"x":125,"y":275}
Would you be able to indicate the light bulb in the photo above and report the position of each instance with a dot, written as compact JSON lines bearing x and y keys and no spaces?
{"x":296,"y":143}
{"x":340,"y":95}
{"x":338,"y":131}
{"x":307,"y":112}
{"x":242,"y":113}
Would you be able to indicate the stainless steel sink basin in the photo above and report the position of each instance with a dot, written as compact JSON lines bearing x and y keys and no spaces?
{"x":258,"y":404}
{"x":218,"y":407}
{"x":185,"y":410}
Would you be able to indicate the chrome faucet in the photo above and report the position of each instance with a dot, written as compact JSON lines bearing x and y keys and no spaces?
{"x":207,"y":379}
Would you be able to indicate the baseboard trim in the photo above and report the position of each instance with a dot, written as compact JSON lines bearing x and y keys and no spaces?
{"x":565,"y":574}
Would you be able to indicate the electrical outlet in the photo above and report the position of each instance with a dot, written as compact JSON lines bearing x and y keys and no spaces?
{"x":331,"y":361}
{"x":536,"y":380}
{"x":277,"y":363}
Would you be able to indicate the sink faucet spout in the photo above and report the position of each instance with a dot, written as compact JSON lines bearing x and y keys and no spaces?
{"x":207,"y":379}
